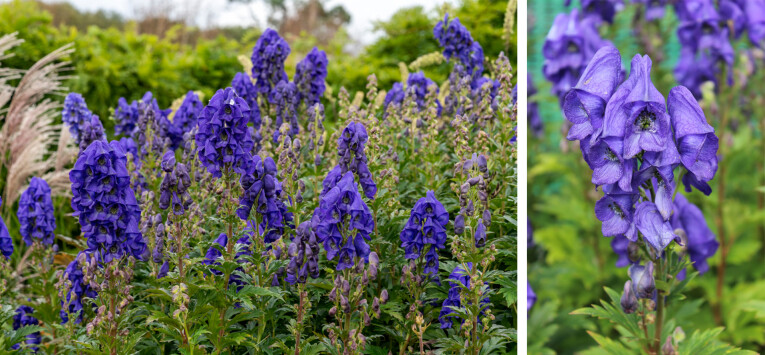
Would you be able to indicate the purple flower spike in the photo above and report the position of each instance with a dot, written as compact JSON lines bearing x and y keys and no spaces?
{"x":657,"y":232}
{"x":701,"y":243}
{"x":79,"y":289}
{"x":755,"y":21}
{"x":35,"y":213}
{"x":6,"y":242}
{"x":310,"y":74}
{"x":23,"y":318}
{"x":531,"y":297}
{"x":425,"y":231}
{"x":454,"y":300}
{"x":585,"y":104}
{"x":643,"y":283}
{"x":246,"y":90}
{"x":74,"y":114}
{"x":696,"y":139}
{"x":268,"y":58}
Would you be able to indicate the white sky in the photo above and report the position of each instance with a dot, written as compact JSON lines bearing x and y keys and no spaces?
{"x":221,"y":12}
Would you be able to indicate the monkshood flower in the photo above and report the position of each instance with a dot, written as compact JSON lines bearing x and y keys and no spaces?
{"x":74,"y":114}
{"x":643,"y":284}
{"x":350,"y":148}
{"x":654,"y":9}
{"x":629,"y":301}
{"x":425,"y":231}
{"x":754,"y":11}
{"x":126,"y":116}
{"x":184,"y":119}
{"x":310,"y":75}
{"x":696,"y":140}
{"x":35,"y":213}
{"x":175,"y":185}
{"x":223,"y":139}
{"x":23,"y":318}
{"x":585,"y":104}
{"x":395,"y":95}
{"x":343,"y":223}
{"x":262,"y":189}
{"x":285,"y":96}
{"x":418,"y":84}
{"x":701,"y":243}
{"x":91,"y":130}
{"x":693,"y":70}
{"x":246,"y":90}
{"x":532,"y":110}
{"x":620,"y":246}
{"x":6,"y":242}
{"x":79,"y":289}
{"x":268,"y":58}
{"x":453,"y":298}
{"x":457,"y":42}
{"x":616,"y":209}
{"x":213,"y":254}
{"x":531,"y":297}
{"x":656,"y":231}
{"x":304,"y":255}
{"x":105,"y":204}
{"x":603,"y":10}
{"x":568,"y":47}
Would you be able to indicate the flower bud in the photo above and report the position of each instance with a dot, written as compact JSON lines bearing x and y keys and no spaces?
{"x":642,"y":280}
{"x":480,"y":235}
{"x":668,"y":348}
{"x":633,"y":252}
{"x":459,"y":224}
{"x":384,"y":296}
{"x":332,"y":311}
{"x":629,"y":301}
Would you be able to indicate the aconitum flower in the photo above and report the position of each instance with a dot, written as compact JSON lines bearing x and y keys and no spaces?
{"x":285,"y":96}
{"x":643,"y":284}
{"x":568,"y":47}
{"x":604,"y":10}
{"x":268,"y":58}
{"x":532,"y":108}
{"x":394,"y":96}
{"x":79,"y":289}
{"x":91,"y":130}
{"x":654,"y":9}
{"x":701,"y":242}
{"x":262,"y":189}
{"x":246,"y":90}
{"x":23,"y":318}
{"x":212,"y":255}
{"x":457,"y":42}
{"x":304,"y":255}
{"x":74,"y":114}
{"x":754,"y":11}
{"x":453,"y":299}
{"x":223,"y":139}
{"x":656,"y":231}
{"x":35,"y":213}
{"x":620,"y":246}
{"x":419,"y":84}
{"x":629,"y":301}
{"x":6,"y":242}
{"x":105,"y":204}
{"x":126,"y":116}
{"x":343,"y":223}
{"x":425,"y":231}
{"x":585,"y":104}
{"x":616,"y":210}
{"x":310,"y":75}
{"x":350,"y":148}
{"x":184,"y":119}
{"x":531,"y":297}
{"x":175,"y":185}
{"x":696,"y":140}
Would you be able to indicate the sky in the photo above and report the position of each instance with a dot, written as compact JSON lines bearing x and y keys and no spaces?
{"x":222,"y":12}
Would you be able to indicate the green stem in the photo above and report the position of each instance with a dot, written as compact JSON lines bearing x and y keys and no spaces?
{"x":659,"y":311}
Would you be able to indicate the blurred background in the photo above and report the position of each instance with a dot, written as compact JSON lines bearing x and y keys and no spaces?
{"x":570,"y":262}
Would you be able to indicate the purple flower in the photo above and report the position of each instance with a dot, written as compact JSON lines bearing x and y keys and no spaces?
{"x":568,"y":47}
{"x":268,"y":58}
{"x":246,"y":90}
{"x":617,"y":212}
{"x":629,"y":301}
{"x":453,"y":299}
{"x":212,"y":255}
{"x":304,"y":255}
{"x":701,"y":243}
{"x":105,"y":204}
{"x":654,"y":9}
{"x":23,"y":318}
{"x":223,"y":139}
{"x":754,"y":11}
{"x":175,"y":185}
{"x":35,"y":213}
{"x":285,"y":96}
{"x":6,"y":242}
{"x":425,"y":231}
{"x":696,"y":140}
{"x":480,"y":234}
{"x":263,"y":190}
{"x":79,"y":289}
{"x":350,"y":148}
{"x":620,"y":246}
{"x":184,"y":119}
{"x":643,"y":284}
{"x":310,"y":75}
{"x":457,"y":42}
{"x":656,"y":231}
{"x":585,"y":104}
{"x":535,"y":120}
{"x":126,"y":117}
{"x":394,"y":96}
{"x":343,"y":223}
{"x":604,"y":10}
{"x":91,"y":130}
{"x":418,"y":84}
{"x":75,"y":114}
{"x":531,"y":297}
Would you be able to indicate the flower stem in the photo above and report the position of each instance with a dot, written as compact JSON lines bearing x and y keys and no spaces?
{"x":659,"y":309}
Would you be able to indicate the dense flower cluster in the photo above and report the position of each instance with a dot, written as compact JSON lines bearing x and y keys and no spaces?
{"x":75,"y":114}
{"x":417,"y":85}
{"x":6,"y":242}
{"x":175,"y":185}
{"x":700,"y":243}
{"x":23,"y":318}
{"x":184,"y":119}
{"x":602,"y":10}
{"x":572,"y":41}
{"x":304,"y":255}
{"x":78,"y":289}
{"x":126,"y":116}
{"x":213,"y":253}
{"x":457,"y":42}
{"x":105,"y":204}
{"x":268,"y":58}
{"x":453,"y":299}
{"x":285,"y":97}
{"x":633,"y":141}
{"x":350,"y":148}
{"x":425,"y":231}
{"x":35,"y":213}
{"x":91,"y":130}
{"x":532,"y":111}
{"x":343,"y":223}
{"x":263,"y":190}
{"x":310,"y":75}
{"x":223,"y":140}
{"x":246,"y":90}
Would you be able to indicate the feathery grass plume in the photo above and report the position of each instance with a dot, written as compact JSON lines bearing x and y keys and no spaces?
{"x":28,"y":130}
